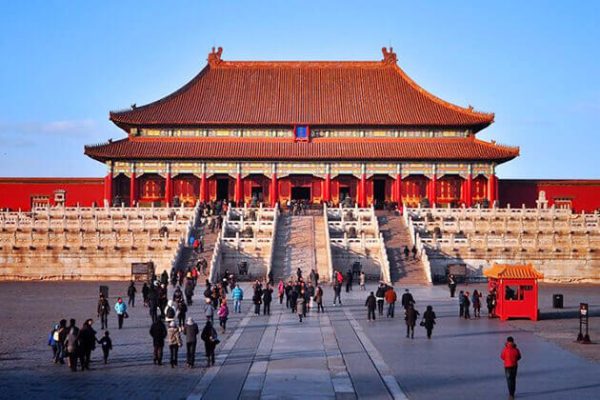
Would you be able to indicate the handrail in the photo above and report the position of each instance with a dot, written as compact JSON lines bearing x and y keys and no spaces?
{"x":328,"y":244}
{"x":273,"y":236}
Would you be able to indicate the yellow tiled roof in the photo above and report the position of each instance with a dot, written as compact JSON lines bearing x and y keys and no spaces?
{"x":513,"y":271}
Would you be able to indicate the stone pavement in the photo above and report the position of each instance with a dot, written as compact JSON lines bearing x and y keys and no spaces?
{"x":336,"y":355}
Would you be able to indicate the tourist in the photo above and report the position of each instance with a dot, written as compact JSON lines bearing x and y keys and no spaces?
{"x":209,"y":310}
{"x":238,"y":296}
{"x":106,"y":344}
{"x":300,"y":305}
{"x":371,"y":303}
{"x":319,"y":299}
{"x":177,"y":294}
{"x":131,"y":291}
{"x":306,"y":295}
{"x":390,"y":298}
{"x":406,"y":252}
{"x":162,"y":299}
{"x":267,"y":298}
{"x":170,"y":312}
{"x":407,"y":299}
{"x":293,"y":299}
{"x":410,"y":317}
{"x":164,"y":278}
{"x":461,"y":304}
{"x":103,"y":311}
{"x":362,"y":280}
{"x":121,"y":310}
{"x":53,"y":340}
{"x":299,"y":273}
{"x":153,"y":303}
{"x":145,"y":293}
{"x":511,"y":356}
{"x":452,"y":284}
{"x":210,"y":338}
{"x":158,"y":333}
{"x":191,"y":331}
{"x":174,"y":339}
{"x":280,"y":291}
{"x":348,"y":281}
{"x":491,"y":303}
{"x":337,"y":292}
{"x":380,"y":297}
{"x":87,"y":343}
{"x":257,"y":300}
{"x":476,"y":300}
{"x":60,"y":344}
{"x":181,"y":312}
{"x":466,"y":305}
{"x":429,"y":320}
{"x":414,"y":251}
{"x":289,"y":288}
{"x":72,"y":344}
{"x":223,"y":314}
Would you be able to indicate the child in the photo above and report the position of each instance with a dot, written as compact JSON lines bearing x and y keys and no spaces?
{"x":106,"y":344}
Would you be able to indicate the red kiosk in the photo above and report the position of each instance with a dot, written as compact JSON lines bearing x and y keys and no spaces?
{"x":516,"y":290}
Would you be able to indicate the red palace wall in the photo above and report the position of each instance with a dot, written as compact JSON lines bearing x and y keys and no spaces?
{"x":583,"y":195}
{"x":16,"y":193}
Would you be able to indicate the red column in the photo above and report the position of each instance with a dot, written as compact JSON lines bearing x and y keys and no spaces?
{"x":363,"y":191}
{"x":433,"y":191}
{"x":238,"y":189}
{"x":108,"y":189}
{"x":469,"y":191}
{"x":168,"y":189}
{"x":491,"y":189}
{"x":203,"y":188}
{"x":132,"y":190}
{"x":398,"y":190}
{"x":327,"y":188}
{"x":274,"y":192}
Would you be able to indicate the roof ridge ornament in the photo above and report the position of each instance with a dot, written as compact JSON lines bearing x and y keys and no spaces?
{"x":214,"y":57}
{"x":389,"y":57}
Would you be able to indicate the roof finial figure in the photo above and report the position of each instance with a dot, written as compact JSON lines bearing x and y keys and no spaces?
{"x":214,"y":57}
{"x":389,"y":57}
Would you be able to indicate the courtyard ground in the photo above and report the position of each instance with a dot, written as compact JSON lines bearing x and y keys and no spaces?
{"x":336,"y":355}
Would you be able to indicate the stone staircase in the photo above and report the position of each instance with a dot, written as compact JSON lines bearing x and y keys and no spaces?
{"x":189,"y":257}
{"x":396,"y":236}
{"x":294,"y":247}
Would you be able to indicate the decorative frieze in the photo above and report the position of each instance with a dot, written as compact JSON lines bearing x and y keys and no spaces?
{"x":217,"y":132}
{"x":319,"y":169}
{"x":387,"y":133}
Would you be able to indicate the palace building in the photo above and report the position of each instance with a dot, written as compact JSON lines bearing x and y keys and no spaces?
{"x":318,"y":131}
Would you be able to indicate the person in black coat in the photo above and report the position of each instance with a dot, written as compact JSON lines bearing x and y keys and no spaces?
{"x":158,"y":331}
{"x":452,"y":284}
{"x":257,"y":300}
{"x":348,"y":281}
{"x":210,"y":339}
{"x":371,"y":303}
{"x":293,"y":300}
{"x":87,"y":343}
{"x":267,"y":298}
{"x":407,"y":299}
{"x":429,"y":320}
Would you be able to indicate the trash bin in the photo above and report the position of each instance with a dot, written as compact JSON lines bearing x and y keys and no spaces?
{"x":557,"y":301}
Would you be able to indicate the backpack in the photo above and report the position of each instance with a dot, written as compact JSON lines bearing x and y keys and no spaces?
{"x":170,"y":313}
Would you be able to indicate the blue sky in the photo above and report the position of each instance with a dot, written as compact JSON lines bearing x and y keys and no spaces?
{"x":64,"y":65}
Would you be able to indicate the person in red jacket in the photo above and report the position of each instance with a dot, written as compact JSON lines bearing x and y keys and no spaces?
{"x":511,"y":356}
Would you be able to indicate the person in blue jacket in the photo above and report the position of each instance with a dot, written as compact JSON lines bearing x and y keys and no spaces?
{"x":121,"y":310}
